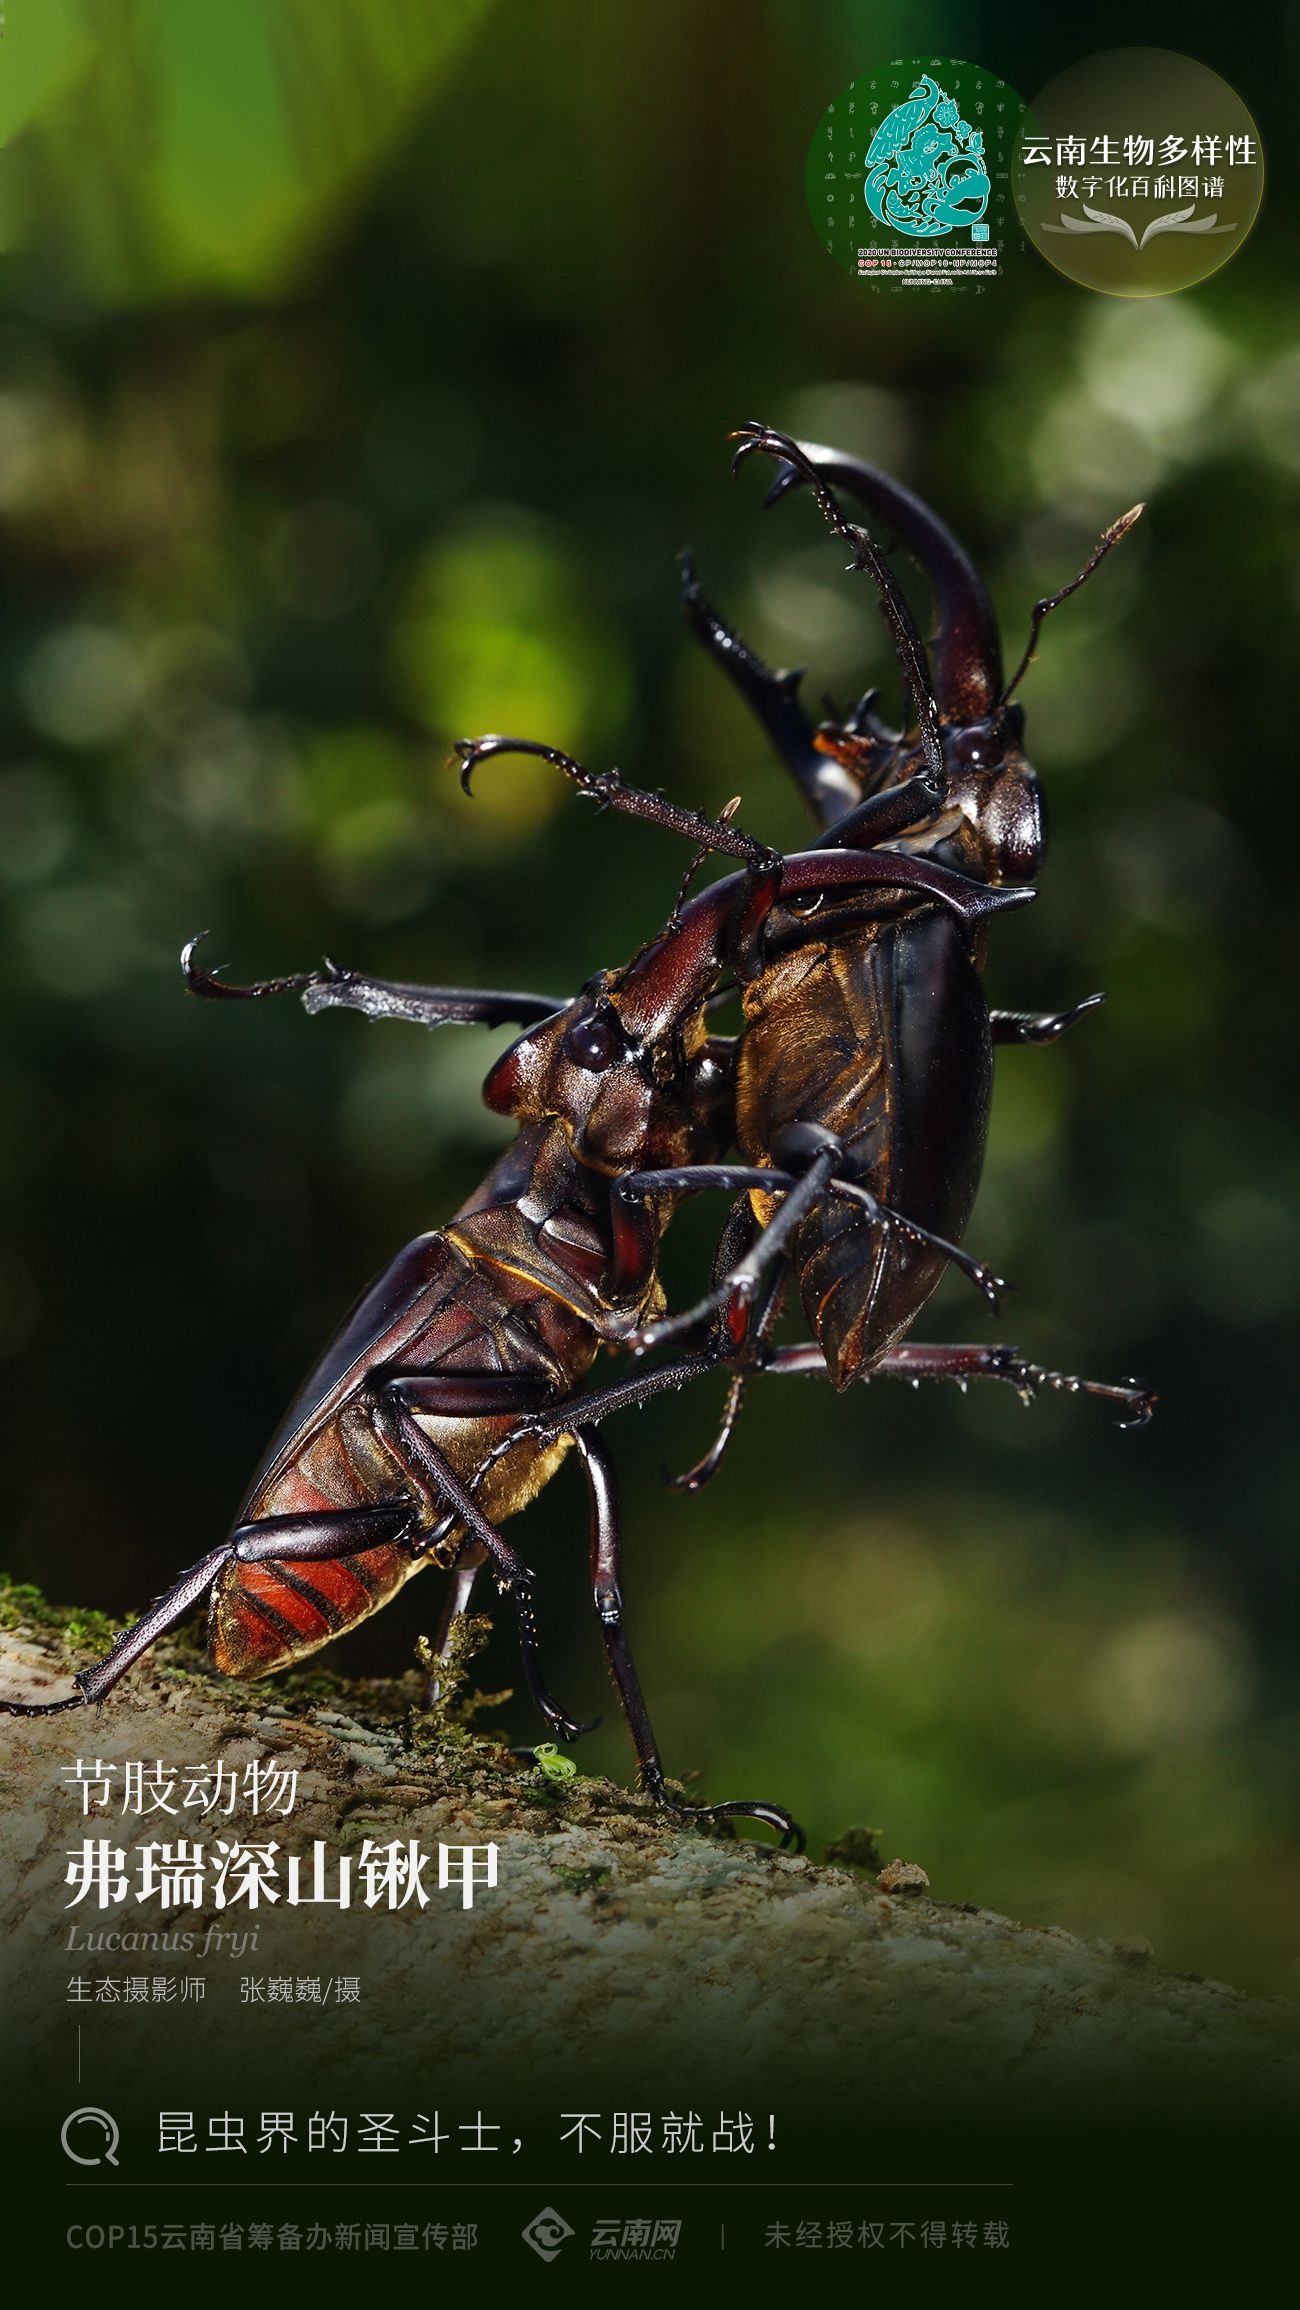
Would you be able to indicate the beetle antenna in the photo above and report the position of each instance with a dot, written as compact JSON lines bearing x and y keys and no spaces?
{"x":725,"y":816}
{"x":1043,"y":609}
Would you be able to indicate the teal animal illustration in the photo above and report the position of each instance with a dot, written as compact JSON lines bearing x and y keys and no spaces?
{"x":925,"y":168}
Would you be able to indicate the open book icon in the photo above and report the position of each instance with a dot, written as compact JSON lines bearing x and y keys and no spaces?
{"x":1175,"y":221}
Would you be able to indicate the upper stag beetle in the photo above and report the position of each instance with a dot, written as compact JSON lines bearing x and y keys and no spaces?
{"x":449,"y":1396}
{"x":867,"y":1053}
{"x":864,"y":1074}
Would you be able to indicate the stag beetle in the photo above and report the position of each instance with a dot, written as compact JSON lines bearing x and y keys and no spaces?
{"x":448,"y":1398}
{"x":867,"y":1053}
{"x":371,"y":1474}
{"x":864,"y":1074}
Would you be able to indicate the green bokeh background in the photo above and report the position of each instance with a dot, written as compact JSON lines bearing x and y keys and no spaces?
{"x":362,"y":369}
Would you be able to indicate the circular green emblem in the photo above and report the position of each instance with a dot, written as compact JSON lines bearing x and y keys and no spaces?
{"x":908,"y":175}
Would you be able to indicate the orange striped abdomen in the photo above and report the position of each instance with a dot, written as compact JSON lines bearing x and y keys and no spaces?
{"x":268,"y":1615}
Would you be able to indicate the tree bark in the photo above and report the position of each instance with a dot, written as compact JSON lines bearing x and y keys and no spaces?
{"x":613,"y":1936}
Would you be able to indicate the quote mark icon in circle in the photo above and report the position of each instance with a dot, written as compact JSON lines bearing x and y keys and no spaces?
{"x":96,"y":2133}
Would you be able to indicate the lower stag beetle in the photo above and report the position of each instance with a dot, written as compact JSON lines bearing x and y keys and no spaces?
{"x":450,"y":1395}
{"x":411,"y":1440}
{"x":858,"y":1091}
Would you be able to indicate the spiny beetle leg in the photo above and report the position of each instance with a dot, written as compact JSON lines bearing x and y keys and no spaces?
{"x":587,"y":1411}
{"x":799,"y":1195}
{"x":736,"y":1239}
{"x":800,"y":1142}
{"x":431,"y":1475}
{"x":883,"y":815}
{"x":917,"y":1363}
{"x":163,"y":1614}
{"x":333,"y":987}
{"x":1038,"y":1026}
{"x":611,"y":790}
{"x":606,"y":1574}
{"x":694,"y":1479}
{"x":975,"y":1271}
{"x":347,"y":1532}
{"x":696,"y":1179}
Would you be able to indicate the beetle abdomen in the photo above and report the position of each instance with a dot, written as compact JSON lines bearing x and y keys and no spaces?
{"x":446,"y":1305}
{"x":879,"y":1034}
{"x":267,"y":1616}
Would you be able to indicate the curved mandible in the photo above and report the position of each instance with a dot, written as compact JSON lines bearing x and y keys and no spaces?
{"x":966,"y":653}
{"x":913,"y":661}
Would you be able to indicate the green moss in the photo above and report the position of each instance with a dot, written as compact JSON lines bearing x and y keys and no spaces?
{"x":578,"y":1880}
{"x":857,"y":1849}
{"x":22,"y":1605}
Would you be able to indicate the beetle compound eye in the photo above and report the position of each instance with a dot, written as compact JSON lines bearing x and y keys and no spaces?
{"x":595,"y":1043}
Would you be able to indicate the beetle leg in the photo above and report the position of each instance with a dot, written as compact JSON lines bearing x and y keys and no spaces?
{"x":464,"y":1574}
{"x":704,"y":1470}
{"x":883,"y":815}
{"x":348,"y":1532}
{"x":1003,"y":1363}
{"x":966,"y":653}
{"x":467,"y":1395}
{"x":1038,"y":1026}
{"x":773,"y":698}
{"x":974,"y":1362}
{"x":429,"y":1471}
{"x":333,"y":987}
{"x":337,"y":1532}
{"x":735,"y":1290}
{"x":164,"y":1613}
{"x":611,"y":790}
{"x":737,"y":1237}
{"x":984,"y":1279}
{"x":606,"y":1554}
{"x":589,"y":1410}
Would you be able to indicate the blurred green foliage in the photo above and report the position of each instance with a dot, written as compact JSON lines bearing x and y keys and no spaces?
{"x":362,"y":369}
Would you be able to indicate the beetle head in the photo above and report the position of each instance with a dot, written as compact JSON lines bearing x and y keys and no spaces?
{"x":629,"y":1067}
{"x":992,"y":825}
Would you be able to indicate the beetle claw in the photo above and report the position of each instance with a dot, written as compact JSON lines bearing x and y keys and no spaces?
{"x":571,"y":1728}
{"x":1142,"y":1411}
{"x":470,"y":752}
{"x":791,"y":1836}
{"x":216,"y":989}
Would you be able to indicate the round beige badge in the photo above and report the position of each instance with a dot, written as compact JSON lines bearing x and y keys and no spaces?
{"x":1139,"y":172}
